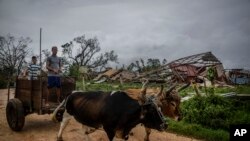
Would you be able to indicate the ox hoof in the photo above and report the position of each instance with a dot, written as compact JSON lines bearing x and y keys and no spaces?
{"x":59,"y":139}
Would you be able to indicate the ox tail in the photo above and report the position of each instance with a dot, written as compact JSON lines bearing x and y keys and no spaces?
{"x":63,"y":103}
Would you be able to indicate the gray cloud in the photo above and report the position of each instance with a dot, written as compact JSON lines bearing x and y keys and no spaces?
{"x":137,"y":29}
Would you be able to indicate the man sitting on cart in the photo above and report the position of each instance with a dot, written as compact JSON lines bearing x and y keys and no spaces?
{"x":54,"y":66}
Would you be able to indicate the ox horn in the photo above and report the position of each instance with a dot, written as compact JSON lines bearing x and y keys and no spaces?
{"x":142,"y":96}
{"x":183,"y":87}
{"x":169,"y":90}
{"x":143,"y":89}
{"x":160,"y":92}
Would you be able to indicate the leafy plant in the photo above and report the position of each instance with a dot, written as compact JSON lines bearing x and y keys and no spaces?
{"x":215,"y":111}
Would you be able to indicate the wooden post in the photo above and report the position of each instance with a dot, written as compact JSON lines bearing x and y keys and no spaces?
{"x":40,"y":78}
{"x":205,"y":85}
{"x":194,"y":84}
{"x":8,"y":88}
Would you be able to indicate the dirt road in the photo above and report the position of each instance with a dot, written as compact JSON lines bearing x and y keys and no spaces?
{"x":41,"y":128}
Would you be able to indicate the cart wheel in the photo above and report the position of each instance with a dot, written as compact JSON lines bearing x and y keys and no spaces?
{"x":15,"y":114}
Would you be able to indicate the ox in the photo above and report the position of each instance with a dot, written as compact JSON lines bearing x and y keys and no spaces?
{"x":168,"y":101}
{"x":116,"y":112}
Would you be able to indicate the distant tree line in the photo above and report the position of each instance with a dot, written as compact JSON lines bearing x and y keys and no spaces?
{"x":142,"y":66}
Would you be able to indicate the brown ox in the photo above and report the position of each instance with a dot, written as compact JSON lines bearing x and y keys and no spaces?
{"x":168,"y":101}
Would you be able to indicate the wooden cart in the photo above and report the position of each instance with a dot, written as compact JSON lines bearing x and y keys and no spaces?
{"x":30,"y":98}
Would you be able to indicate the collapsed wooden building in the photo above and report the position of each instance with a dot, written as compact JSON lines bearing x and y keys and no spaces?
{"x":186,"y":69}
{"x":115,"y":75}
{"x":181,"y":70}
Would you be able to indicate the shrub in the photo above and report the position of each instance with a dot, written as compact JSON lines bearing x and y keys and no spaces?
{"x":216,"y":112}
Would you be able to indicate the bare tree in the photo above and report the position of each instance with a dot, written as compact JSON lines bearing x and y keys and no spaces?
{"x":85,"y":52}
{"x":12,"y":53}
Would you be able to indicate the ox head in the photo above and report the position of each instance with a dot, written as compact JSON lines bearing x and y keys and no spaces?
{"x":169,"y":101}
{"x":152,"y":115}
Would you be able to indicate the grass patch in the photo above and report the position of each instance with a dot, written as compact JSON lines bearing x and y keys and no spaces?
{"x":107,"y":86}
{"x":243,"y":89}
{"x":224,"y":90}
{"x":197,"y":131}
{"x":110,"y":86}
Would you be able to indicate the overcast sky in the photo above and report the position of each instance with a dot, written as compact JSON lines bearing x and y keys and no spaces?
{"x":137,"y":28}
